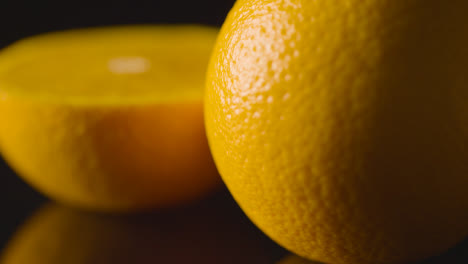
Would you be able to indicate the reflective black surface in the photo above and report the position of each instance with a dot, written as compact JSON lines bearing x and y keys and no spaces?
{"x":17,"y":202}
{"x":214,"y":230}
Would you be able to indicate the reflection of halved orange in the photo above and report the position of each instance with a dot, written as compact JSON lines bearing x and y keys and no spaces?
{"x":109,"y":118}
{"x":205,"y":233}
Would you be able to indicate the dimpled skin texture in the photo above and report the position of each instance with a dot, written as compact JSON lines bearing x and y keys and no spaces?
{"x":340,"y":127}
{"x":124,"y":146}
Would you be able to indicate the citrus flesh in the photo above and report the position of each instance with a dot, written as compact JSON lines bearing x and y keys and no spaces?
{"x":109,"y":118}
{"x":114,"y":65}
{"x":341,"y":127}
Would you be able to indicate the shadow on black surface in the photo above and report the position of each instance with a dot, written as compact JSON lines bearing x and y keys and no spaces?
{"x":293,"y":259}
{"x":214,"y":231}
{"x":456,"y":255}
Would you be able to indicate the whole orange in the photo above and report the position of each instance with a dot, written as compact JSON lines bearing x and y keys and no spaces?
{"x":341,"y":127}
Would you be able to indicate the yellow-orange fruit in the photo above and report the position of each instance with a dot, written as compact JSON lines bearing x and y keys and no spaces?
{"x":341,"y":127}
{"x":109,"y":118}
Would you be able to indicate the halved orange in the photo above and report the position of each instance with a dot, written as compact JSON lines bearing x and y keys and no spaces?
{"x":109,"y":118}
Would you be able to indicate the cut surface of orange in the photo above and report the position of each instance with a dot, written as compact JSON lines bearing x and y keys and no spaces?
{"x":109,"y":118}
{"x":114,"y":65}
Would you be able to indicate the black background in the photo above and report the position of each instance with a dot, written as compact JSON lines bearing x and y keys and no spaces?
{"x":23,"y":18}
{"x":19,"y":19}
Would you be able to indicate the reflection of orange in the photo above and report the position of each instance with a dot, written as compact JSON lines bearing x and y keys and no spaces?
{"x":207,"y":233}
{"x":109,"y":118}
